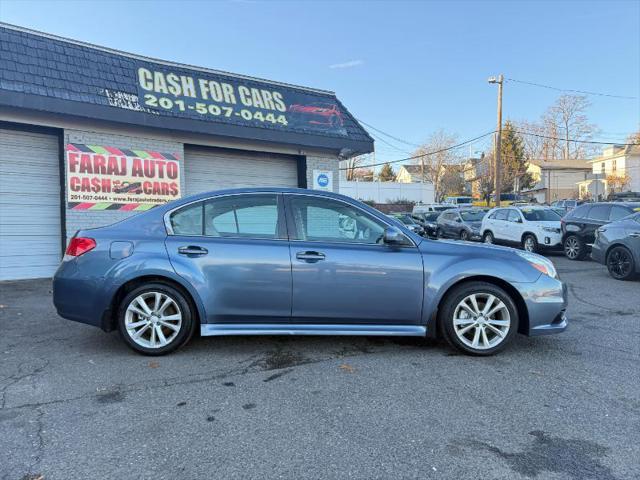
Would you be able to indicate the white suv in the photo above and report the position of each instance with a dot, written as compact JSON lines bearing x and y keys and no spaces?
{"x":531,"y":227}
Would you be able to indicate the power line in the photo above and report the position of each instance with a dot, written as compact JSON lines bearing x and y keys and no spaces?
{"x":388,"y":134}
{"x":573,"y":140}
{"x":466,"y":142}
{"x":585,"y":92}
{"x":379,"y":138}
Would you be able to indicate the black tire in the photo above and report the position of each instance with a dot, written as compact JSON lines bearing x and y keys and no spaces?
{"x":439,"y":233}
{"x":530,"y":243}
{"x":488,"y":237}
{"x":187,"y":326}
{"x":450,"y":303}
{"x":574,"y":248}
{"x":464,"y":235}
{"x":620,"y":263}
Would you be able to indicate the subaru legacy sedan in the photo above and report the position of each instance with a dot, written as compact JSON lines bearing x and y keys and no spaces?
{"x":277,"y":261}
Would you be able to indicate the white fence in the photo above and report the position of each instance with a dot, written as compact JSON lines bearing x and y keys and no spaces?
{"x":387,"y":192}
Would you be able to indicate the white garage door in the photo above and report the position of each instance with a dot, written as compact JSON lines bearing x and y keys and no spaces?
{"x":215,"y":169}
{"x":29,"y":205}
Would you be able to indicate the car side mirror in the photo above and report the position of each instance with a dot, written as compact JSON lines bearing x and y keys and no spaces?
{"x":392,"y":236}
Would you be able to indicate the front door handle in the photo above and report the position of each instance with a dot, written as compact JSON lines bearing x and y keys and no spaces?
{"x":310,"y":256}
{"x":193,"y":250}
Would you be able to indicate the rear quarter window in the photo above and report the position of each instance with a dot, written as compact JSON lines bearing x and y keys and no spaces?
{"x":580,"y":212}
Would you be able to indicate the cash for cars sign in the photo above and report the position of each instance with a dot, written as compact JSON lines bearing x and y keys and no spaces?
{"x":109,"y":178}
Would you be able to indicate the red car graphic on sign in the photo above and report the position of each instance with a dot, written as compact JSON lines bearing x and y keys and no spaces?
{"x":319,"y":113}
{"x":126,"y":187}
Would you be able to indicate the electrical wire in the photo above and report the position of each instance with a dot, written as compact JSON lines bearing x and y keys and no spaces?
{"x":388,"y":134}
{"x":585,"y":92}
{"x":573,"y":140}
{"x":414,"y":157}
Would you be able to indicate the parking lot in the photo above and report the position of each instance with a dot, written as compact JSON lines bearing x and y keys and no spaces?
{"x":77,"y":403}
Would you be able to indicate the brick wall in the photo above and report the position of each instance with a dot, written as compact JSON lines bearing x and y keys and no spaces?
{"x":82,"y":219}
{"x":323,"y":163}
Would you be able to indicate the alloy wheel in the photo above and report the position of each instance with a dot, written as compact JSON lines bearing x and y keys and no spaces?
{"x":619,"y":263}
{"x":153,"y":319}
{"x":572,"y":248}
{"x":464,"y":235}
{"x":488,"y":238}
{"x":529,"y":244}
{"x":481,"y":321}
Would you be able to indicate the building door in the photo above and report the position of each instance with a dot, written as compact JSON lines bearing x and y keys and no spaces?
{"x":217,"y":168}
{"x":30,"y":228}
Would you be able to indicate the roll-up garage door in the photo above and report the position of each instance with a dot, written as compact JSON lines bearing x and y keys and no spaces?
{"x":29,"y":205}
{"x":214,"y":169}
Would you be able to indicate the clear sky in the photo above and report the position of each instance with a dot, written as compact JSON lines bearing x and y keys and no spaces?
{"x":405,"y":68}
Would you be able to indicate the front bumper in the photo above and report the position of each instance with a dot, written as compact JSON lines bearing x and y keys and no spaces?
{"x":546,"y":300}
{"x":551,"y":240}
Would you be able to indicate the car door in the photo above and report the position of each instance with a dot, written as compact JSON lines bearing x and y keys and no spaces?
{"x":514,"y":226}
{"x":598,"y":215}
{"x":343,"y":273}
{"x":234,"y":251}
{"x":499,"y":225}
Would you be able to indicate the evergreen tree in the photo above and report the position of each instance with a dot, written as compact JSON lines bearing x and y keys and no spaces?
{"x":514,"y":161}
{"x":386,"y":173}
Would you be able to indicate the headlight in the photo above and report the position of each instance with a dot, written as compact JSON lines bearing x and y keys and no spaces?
{"x":539,"y":263}
{"x":551,"y":229}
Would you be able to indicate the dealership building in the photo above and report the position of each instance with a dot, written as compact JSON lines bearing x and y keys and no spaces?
{"x":90,"y":135}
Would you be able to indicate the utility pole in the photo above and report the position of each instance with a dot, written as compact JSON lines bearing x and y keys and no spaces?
{"x":498,"y":143}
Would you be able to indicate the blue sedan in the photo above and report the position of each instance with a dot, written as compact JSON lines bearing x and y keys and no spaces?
{"x":277,"y":261}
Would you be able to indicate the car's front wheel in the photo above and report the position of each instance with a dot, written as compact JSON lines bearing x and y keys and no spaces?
{"x":155,"y":319}
{"x":464,"y":235}
{"x":478,"y":318}
{"x":530,"y":243}
{"x":620,"y":263}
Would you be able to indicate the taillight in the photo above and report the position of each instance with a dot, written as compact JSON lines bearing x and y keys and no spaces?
{"x":79,"y":246}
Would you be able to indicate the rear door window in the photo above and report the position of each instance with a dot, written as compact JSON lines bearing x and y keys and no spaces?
{"x":187,"y":220}
{"x":618,"y":212}
{"x":501,"y":214}
{"x":599,"y":213}
{"x":250,"y":216}
{"x":513,"y":216}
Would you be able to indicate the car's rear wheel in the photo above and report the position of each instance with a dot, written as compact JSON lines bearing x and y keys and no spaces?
{"x":488,"y":237}
{"x":439,"y":233}
{"x":155,"y":319}
{"x":574,"y":248}
{"x":530,"y":243}
{"x":478,"y":318}
{"x":464,"y":235}
{"x":620,"y":263}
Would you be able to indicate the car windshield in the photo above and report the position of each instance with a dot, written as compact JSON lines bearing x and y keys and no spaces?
{"x":406,"y":219}
{"x":472,"y":215}
{"x":541,"y":215}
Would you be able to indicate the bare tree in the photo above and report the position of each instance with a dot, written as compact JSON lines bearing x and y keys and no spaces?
{"x":353,"y":164}
{"x":567,"y":119}
{"x":433,"y":165}
{"x":634,"y":138}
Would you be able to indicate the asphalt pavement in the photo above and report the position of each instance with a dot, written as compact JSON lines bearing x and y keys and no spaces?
{"x":76,"y":403}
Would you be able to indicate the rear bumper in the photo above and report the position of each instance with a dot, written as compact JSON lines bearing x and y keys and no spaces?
{"x":597,"y":253}
{"x":546,"y":302}
{"x":78,"y":297}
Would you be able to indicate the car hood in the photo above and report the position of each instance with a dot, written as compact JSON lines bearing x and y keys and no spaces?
{"x":550,"y":223}
{"x":474,"y":225}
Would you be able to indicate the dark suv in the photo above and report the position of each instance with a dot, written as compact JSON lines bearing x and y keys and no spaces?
{"x":579,"y":225}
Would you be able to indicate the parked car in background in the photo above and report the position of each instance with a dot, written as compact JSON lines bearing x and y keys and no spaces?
{"x":579,"y":226}
{"x":429,"y":221}
{"x":408,"y":221}
{"x":431,"y":207}
{"x":461,"y":223}
{"x":192,"y":264}
{"x":459,"y":201}
{"x":567,"y":205}
{"x":531,"y":227}
{"x":617,"y":245}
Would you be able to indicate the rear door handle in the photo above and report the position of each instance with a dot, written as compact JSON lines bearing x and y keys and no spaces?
{"x":635,"y":234}
{"x":193,"y":250}
{"x":310,"y":256}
